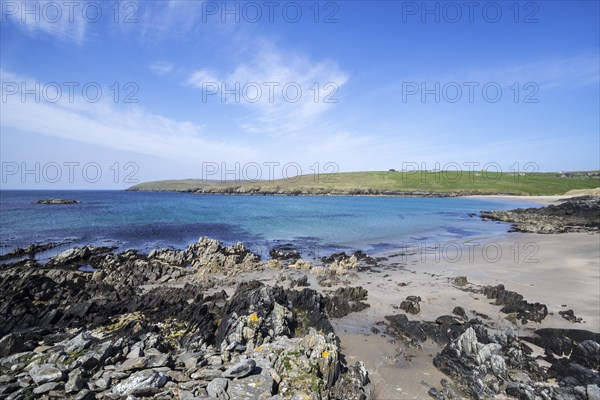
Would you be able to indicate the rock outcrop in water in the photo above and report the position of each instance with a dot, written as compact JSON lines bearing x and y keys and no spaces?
{"x":31,"y":250}
{"x":57,"y":201}
{"x":579,"y":214}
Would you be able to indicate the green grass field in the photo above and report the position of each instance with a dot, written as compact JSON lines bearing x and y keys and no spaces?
{"x":364,"y":183}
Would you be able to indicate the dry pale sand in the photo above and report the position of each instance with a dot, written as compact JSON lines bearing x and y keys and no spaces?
{"x":557,"y":270}
{"x":543,"y":200}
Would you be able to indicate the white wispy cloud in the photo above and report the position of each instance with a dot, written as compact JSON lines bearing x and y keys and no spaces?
{"x":110,"y":125}
{"x":567,"y":72}
{"x":171,"y":18}
{"x":202,"y":77}
{"x":161,"y":67}
{"x":46,"y":17}
{"x":267,"y":85}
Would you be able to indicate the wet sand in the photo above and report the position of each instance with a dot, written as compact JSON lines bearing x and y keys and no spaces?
{"x":543,"y":200}
{"x":561,"y":271}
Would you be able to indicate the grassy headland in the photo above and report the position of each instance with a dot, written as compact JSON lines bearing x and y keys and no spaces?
{"x":450,"y":183}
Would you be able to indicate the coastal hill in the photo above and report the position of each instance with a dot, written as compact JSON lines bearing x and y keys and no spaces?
{"x":449,"y":183}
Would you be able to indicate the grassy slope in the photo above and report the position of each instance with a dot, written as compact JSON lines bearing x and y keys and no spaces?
{"x":389,"y":182}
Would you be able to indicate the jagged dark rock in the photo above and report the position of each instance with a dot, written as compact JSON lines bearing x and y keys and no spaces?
{"x":513,"y":303}
{"x":345,"y":301}
{"x":109,"y":333}
{"x":570,"y":316}
{"x":482,"y":365}
{"x":475,"y":358}
{"x":361,"y":257}
{"x":284,"y":252}
{"x":341,"y":256}
{"x":299,"y":282}
{"x":240,"y":370}
{"x":579,"y":214}
{"x":415,"y":332}
{"x":461,"y":281}
{"x":460,"y":312}
{"x":411,"y":305}
{"x":31,"y":250}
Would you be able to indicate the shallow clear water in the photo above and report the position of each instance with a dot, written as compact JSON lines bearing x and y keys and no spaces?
{"x":316,"y":225}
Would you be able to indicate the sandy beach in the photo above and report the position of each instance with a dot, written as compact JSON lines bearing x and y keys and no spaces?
{"x":543,"y":200}
{"x":561,"y":271}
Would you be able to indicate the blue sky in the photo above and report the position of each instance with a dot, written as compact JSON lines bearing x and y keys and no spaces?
{"x":374,"y":59}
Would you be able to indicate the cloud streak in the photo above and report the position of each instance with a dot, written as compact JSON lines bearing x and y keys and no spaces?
{"x":161,"y":68}
{"x":285,"y":93}
{"x":46,"y":17}
{"x":106,"y":125}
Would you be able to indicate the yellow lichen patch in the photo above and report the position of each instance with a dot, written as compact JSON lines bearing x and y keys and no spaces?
{"x":259,"y":349}
{"x":253,"y":317}
{"x":122,"y":320}
{"x":173,"y":329}
{"x":274,"y":264}
{"x":325,"y":354}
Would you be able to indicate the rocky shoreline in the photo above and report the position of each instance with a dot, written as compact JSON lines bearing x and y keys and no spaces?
{"x":578,"y":214}
{"x":352,"y":192}
{"x":218,"y":322}
{"x":161,"y":326}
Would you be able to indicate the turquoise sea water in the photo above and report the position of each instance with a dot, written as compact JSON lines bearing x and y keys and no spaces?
{"x":316,"y":225}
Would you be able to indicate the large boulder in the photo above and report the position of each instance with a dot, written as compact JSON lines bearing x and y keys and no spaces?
{"x":240,"y":370}
{"x":142,"y":383}
{"x":43,"y":373}
{"x":251,"y":388}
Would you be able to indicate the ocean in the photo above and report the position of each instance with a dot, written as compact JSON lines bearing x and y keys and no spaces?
{"x":316,"y":225}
